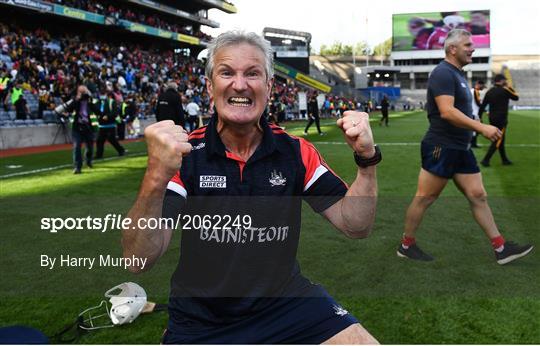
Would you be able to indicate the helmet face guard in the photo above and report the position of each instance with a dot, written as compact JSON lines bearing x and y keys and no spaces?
{"x":126,"y":306}
{"x":95,"y":317}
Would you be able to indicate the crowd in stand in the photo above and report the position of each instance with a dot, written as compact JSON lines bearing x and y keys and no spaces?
{"x":119,"y":11}
{"x":53,"y":67}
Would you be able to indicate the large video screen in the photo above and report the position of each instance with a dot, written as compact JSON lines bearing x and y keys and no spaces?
{"x":426,"y":31}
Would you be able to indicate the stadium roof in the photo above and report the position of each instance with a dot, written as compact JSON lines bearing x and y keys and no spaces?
{"x":195,"y":5}
{"x":175,"y":12}
{"x":297,"y":35}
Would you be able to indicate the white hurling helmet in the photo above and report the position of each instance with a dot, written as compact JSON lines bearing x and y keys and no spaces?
{"x":127,"y":301}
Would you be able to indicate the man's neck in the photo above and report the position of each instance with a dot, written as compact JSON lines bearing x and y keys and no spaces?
{"x":240,"y":140}
{"x":452,"y":61}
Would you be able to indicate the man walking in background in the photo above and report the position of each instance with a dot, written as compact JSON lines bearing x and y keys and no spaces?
{"x":108,"y":116}
{"x":498,"y":98}
{"x":313,"y":115}
{"x":476,"y":103}
{"x":446,"y":152}
{"x":384,"y":110}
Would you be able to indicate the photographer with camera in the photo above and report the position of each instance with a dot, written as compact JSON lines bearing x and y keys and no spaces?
{"x":83,"y":123}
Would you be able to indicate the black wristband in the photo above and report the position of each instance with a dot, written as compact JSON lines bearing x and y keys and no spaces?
{"x":372,"y":161}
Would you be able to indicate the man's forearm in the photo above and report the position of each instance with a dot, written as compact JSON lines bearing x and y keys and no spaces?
{"x":359,"y":205}
{"x":457,"y":118}
{"x":140,"y":242}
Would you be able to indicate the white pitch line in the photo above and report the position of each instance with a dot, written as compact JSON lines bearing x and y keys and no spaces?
{"x":530,"y":145}
{"x":46,"y":169}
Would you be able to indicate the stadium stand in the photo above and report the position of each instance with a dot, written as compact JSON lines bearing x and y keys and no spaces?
{"x":112,"y":58}
{"x":141,"y":15}
{"x":45,"y":59}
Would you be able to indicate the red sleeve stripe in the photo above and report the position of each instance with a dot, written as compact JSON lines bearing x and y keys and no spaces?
{"x":177,"y":185}
{"x":316,"y":175}
{"x":310,"y":159}
{"x":314,"y":164}
{"x":179,"y":189}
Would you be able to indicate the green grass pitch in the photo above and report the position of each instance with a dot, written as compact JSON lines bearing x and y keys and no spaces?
{"x":462,"y":297}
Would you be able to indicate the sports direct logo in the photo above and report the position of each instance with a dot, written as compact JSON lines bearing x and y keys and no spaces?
{"x":213,"y":182}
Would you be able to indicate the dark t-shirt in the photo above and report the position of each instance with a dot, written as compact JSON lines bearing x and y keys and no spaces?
{"x":229,"y":271}
{"x":446,"y":79}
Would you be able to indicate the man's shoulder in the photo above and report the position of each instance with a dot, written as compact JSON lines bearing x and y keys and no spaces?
{"x":283,"y":137}
{"x":293,"y":146}
{"x":442,"y":68}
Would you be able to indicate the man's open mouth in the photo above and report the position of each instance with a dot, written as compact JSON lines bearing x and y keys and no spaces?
{"x":238,"y":101}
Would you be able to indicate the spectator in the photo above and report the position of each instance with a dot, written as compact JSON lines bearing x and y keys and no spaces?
{"x":169,"y":105}
{"x":108,"y":118}
{"x":21,"y":108}
{"x":44,"y":100}
{"x":193,"y":111}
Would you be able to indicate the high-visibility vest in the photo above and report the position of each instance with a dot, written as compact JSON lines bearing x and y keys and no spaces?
{"x":3,"y":83}
{"x":93,"y":121}
{"x":15,"y":94}
{"x":122,"y":116}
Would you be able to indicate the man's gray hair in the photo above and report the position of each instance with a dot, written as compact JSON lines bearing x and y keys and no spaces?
{"x":235,"y":37}
{"x":453,"y":38}
{"x":172,"y":85}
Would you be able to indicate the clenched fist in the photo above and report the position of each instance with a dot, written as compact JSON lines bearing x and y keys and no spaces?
{"x":167,"y":143}
{"x":491,"y":132}
{"x":355,"y":126}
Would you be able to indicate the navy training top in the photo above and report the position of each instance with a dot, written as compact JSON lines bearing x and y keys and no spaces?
{"x":230,"y":269}
{"x":446,"y":79}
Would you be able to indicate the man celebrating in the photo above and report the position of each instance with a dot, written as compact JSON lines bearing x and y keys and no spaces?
{"x":242,"y":284}
{"x":446,"y":152}
{"x":497,"y":98}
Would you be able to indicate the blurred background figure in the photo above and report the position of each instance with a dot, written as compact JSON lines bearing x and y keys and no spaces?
{"x":169,"y":105}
